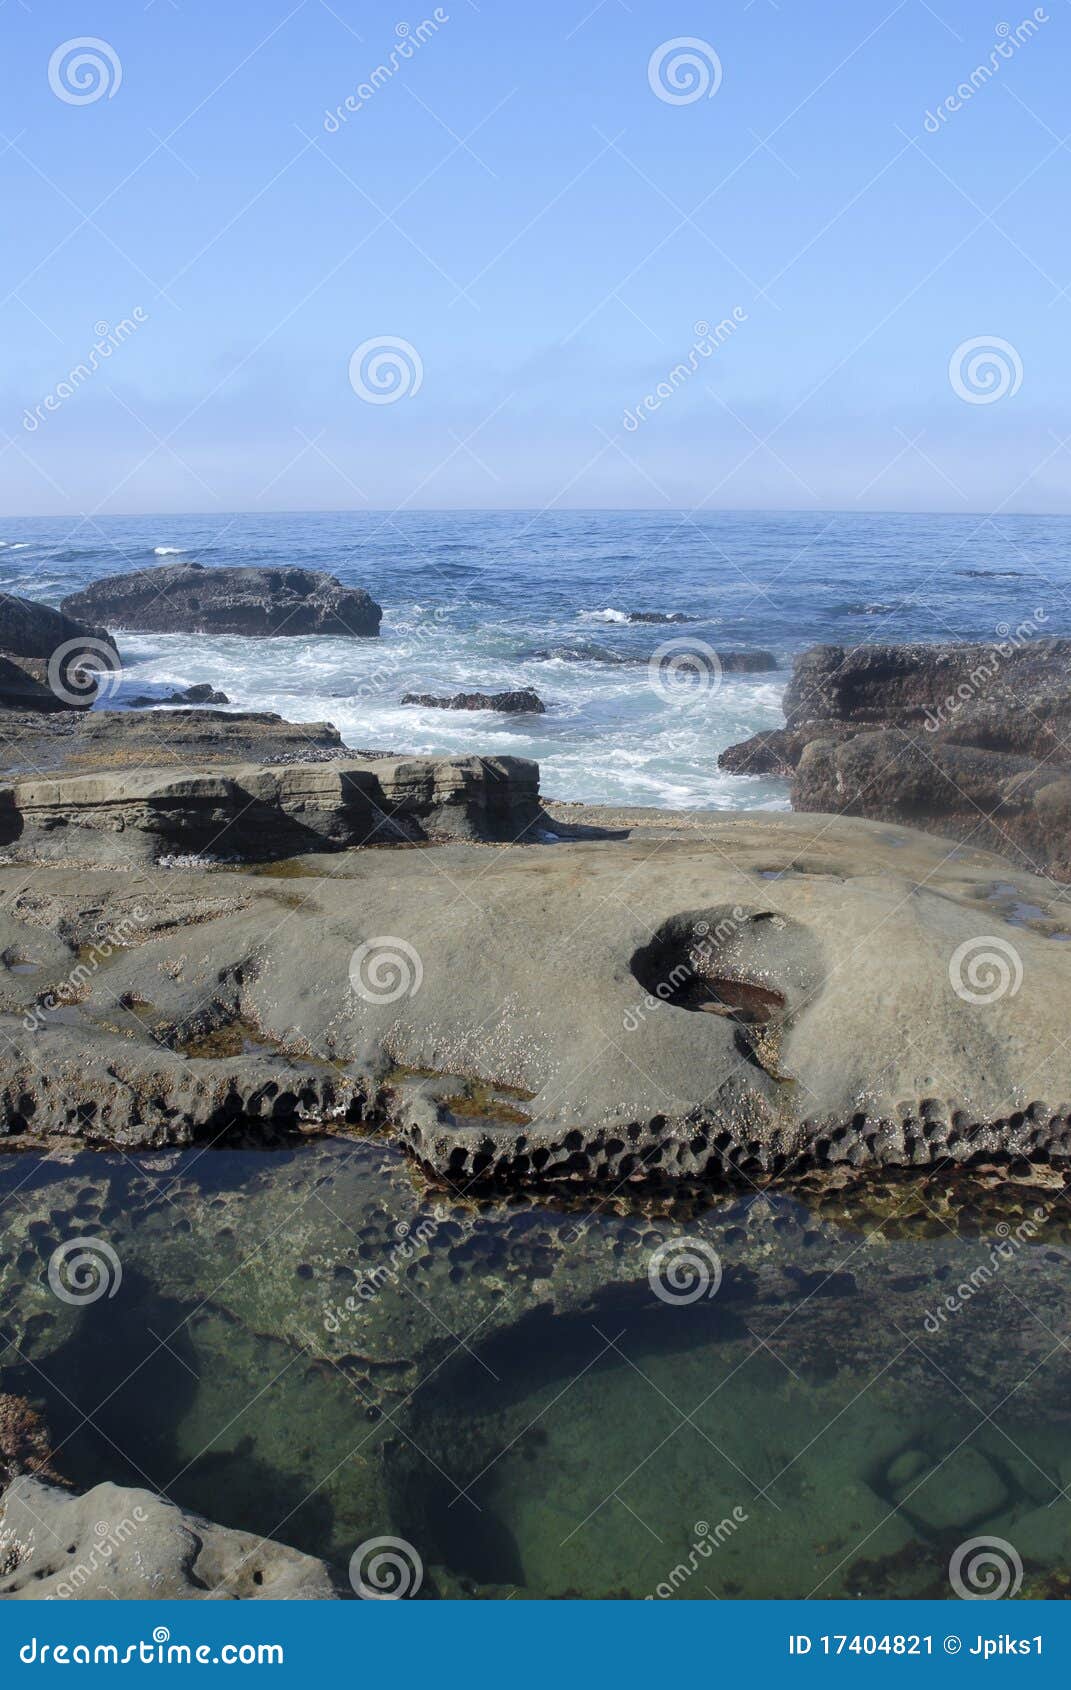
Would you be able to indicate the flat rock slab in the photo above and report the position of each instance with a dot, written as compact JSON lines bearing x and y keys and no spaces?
{"x":184,"y":738}
{"x":752,"y":995}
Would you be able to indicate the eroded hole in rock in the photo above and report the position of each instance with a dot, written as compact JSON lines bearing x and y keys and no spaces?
{"x":707,"y":962}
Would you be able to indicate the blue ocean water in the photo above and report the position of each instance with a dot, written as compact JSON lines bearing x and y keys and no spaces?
{"x":488,"y":600}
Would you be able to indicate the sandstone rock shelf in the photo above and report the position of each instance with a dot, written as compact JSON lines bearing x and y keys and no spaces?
{"x":729,"y":997}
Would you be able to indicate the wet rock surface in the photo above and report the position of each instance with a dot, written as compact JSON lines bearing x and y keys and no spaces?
{"x":200,"y":694}
{"x":522,"y":702}
{"x":188,"y":598}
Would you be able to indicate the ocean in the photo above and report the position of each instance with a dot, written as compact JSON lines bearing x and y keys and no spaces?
{"x":492,"y":600}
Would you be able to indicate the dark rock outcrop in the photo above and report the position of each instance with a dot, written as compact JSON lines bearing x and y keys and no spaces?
{"x":747,"y":662}
{"x":187,"y":598}
{"x":46,"y":657}
{"x":520,"y":702}
{"x":967,"y":740}
{"x":200,"y":694}
{"x":776,"y":752}
{"x":29,"y":629}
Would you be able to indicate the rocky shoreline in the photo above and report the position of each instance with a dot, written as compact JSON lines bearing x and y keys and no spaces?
{"x":220,"y":928}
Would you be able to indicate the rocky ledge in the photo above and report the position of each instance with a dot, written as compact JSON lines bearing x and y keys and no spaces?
{"x":258,"y":813}
{"x":759,"y":995}
{"x":187,"y":739}
{"x":970,"y":741}
{"x":188,"y":598}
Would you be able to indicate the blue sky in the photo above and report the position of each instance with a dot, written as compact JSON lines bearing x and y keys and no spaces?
{"x":545,"y":231}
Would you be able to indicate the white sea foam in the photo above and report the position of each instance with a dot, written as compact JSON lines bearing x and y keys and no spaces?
{"x":603,"y":615}
{"x":169,"y":551}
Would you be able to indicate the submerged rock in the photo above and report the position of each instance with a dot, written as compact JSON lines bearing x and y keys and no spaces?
{"x":187,"y":598}
{"x":329,"y":1369}
{"x":658,"y":616}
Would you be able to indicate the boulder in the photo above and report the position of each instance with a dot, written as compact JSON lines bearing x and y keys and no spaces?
{"x":971,"y":741}
{"x":30,"y":629}
{"x":117,"y":1543}
{"x":24,"y":687}
{"x":938,"y":688}
{"x":747,"y":662}
{"x":187,"y":598}
{"x":46,"y":657}
{"x":520,"y":702}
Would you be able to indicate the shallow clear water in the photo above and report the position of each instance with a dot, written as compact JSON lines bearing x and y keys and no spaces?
{"x":312,"y":1346}
{"x":471,"y":599}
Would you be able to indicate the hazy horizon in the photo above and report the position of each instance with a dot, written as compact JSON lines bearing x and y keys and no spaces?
{"x":609,"y":259}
